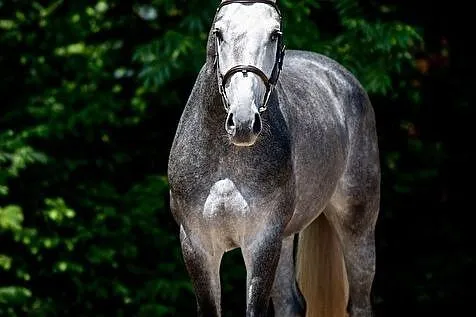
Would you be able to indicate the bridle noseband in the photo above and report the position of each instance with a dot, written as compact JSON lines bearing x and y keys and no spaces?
{"x":270,"y":82}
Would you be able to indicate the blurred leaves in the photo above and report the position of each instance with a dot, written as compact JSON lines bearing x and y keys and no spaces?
{"x":165,"y":58}
{"x":13,"y":295}
{"x":11,"y":218}
{"x":68,"y":217}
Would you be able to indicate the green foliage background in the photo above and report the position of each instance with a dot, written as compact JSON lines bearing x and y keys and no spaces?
{"x":91,"y":92}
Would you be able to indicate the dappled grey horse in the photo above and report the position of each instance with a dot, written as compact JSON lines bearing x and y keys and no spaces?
{"x":273,"y":146}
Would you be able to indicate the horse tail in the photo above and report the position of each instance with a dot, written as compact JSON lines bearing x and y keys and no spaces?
{"x":321,"y":271}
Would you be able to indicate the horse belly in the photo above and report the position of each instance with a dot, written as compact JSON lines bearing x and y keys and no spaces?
{"x":315,"y":182}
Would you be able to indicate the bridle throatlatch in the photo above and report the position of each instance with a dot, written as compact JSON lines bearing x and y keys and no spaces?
{"x":270,"y":82}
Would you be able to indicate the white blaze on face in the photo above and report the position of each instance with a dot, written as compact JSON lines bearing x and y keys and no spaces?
{"x":247,"y":37}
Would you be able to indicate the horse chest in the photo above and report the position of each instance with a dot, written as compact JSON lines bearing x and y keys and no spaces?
{"x":225,"y":199}
{"x":227,"y":214}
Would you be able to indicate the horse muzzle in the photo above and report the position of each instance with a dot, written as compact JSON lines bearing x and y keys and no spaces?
{"x":243,"y":129}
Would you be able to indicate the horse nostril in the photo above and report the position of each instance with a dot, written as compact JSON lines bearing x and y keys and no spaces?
{"x":257,"y":124}
{"x":230,"y":123}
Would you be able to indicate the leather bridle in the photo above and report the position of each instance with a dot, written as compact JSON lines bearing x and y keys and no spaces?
{"x":270,"y":82}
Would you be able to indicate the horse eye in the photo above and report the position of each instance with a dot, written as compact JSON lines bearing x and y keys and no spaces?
{"x":275,"y":35}
{"x":218,"y":34}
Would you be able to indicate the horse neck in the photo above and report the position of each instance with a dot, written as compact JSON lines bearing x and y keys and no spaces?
{"x":210,"y":107}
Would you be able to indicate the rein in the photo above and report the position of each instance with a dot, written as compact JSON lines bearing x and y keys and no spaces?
{"x":270,"y":82}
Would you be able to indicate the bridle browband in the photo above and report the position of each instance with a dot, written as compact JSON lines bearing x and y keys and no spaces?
{"x":270,"y":82}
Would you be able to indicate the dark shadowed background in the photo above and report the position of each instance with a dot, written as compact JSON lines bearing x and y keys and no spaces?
{"x":90,"y":96}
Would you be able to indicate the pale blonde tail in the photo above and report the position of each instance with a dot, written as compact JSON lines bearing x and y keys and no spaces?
{"x":320,"y":270}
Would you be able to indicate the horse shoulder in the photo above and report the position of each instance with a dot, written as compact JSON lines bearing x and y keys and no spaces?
{"x":184,"y":156}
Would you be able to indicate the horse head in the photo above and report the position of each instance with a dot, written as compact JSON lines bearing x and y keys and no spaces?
{"x":249,"y":54}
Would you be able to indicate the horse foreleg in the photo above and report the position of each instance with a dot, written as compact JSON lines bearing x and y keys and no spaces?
{"x":261,"y":259}
{"x":204,"y":270}
{"x":287,"y":298}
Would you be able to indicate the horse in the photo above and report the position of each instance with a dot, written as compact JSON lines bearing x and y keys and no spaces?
{"x":276,"y":153}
